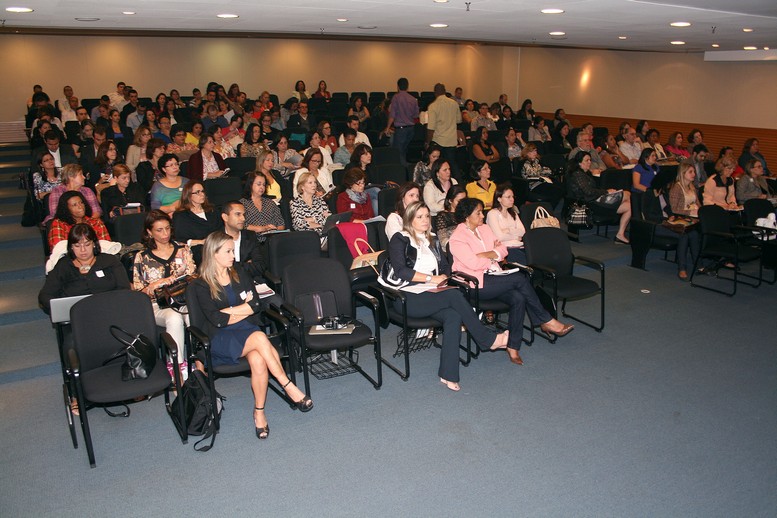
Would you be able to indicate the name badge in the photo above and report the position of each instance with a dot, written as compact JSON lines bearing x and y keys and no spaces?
{"x":243,"y":295}
{"x":100,"y":273}
{"x":180,"y":189}
{"x":353,"y":205}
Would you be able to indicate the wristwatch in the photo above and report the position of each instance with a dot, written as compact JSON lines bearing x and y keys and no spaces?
{"x":428,"y":278}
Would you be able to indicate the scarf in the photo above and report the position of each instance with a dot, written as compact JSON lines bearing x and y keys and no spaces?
{"x":359,"y":198}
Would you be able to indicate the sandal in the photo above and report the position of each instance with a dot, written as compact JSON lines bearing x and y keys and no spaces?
{"x":264,"y":432}
{"x":498,"y":345}
{"x":452,"y":385}
{"x":74,"y":406}
{"x":303,"y":405}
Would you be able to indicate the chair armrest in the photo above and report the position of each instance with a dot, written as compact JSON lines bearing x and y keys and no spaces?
{"x":73,"y":363}
{"x":277,"y":317}
{"x":722,"y":235}
{"x":467,"y":277}
{"x":199,"y":337}
{"x":391,"y":293}
{"x":168,"y":345}
{"x":367,"y":299}
{"x":291,"y":311}
{"x":365,"y":274}
{"x":546,"y":271}
{"x":273,"y":280}
{"x":520,"y":267}
{"x":590,"y":262}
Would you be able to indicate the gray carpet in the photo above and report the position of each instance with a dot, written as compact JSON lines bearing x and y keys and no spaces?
{"x":671,"y":411}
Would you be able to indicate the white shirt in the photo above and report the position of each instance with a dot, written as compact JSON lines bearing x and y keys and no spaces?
{"x":237,"y":247}
{"x":361,"y":138}
{"x":393,"y":225}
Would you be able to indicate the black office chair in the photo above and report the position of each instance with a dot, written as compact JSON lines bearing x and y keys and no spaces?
{"x":387,"y":201}
{"x":527,"y":211}
{"x":128,"y":228}
{"x":385,"y":155}
{"x":383,"y":173}
{"x":240,"y":166}
{"x":101,"y":385}
{"x":221,"y":190}
{"x":337,"y":249}
{"x":286,"y":248}
{"x":723,"y":242}
{"x":320,"y":288}
{"x":754,"y":210}
{"x":549,"y":253}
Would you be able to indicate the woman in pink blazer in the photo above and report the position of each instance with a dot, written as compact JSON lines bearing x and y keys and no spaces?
{"x":477,"y":252}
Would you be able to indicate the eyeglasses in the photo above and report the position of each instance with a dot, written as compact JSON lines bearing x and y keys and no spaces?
{"x":83,"y":246}
{"x":198,"y":192}
{"x":360,"y":182}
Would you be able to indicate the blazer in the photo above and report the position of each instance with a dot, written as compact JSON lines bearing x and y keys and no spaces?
{"x":251,"y":257}
{"x":195,"y":167}
{"x":211,"y":307}
{"x":465,"y":246}
{"x":187,"y":225}
{"x":402,"y":255}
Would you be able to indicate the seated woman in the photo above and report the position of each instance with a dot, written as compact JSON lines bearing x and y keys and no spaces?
{"x":505,"y":224}
{"x":514,"y":144}
{"x":193,"y":136}
{"x":358,"y":109}
{"x":46,"y":177}
{"x":261,"y":214}
{"x":299,"y":91}
{"x":506,"y":118}
{"x":361,"y":157}
{"x":674,"y":146}
{"x":353,"y":198}
{"x":539,"y":177}
{"x":150,"y":121}
{"x":482,"y":188}
{"x":229,"y":302}
{"x":122,"y":192}
{"x":84,"y":270}
{"x":136,"y":153}
{"x":265,"y":162}
{"x":179,"y":146}
{"x":118,"y":132}
{"x":526,"y":112}
{"x":72,"y":177}
{"x":415,"y":256}
{"x":477,"y":252}
{"x":559,"y":144}
{"x":327,"y":139}
{"x":206,"y":164}
{"x":683,"y":201}
{"x":221,"y":146}
{"x":408,"y":193}
{"x":322,"y":92}
{"x":285,"y":159}
{"x":308,"y":211}
{"x":719,"y":188}
{"x":267,"y":133}
{"x":538,"y":132}
{"x":234,"y":130}
{"x":483,"y":149}
{"x":695,"y":137}
{"x":436,"y":188}
{"x":253,"y":144}
{"x":611,"y":154}
{"x":72,"y":209}
{"x":652,"y":141}
{"x":101,"y":173}
{"x":582,"y":186}
{"x":166,"y":192}
{"x":84,"y":136}
{"x":195,"y":218}
{"x":469,"y":113}
{"x":316,"y":143}
{"x":751,"y":151}
{"x":423,"y":169}
{"x":645,"y":171}
{"x":161,"y":262}
{"x":752,"y":184}
{"x":149,"y":171}
{"x":444,"y":222}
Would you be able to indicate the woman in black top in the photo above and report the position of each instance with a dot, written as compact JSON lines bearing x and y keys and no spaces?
{"x":559,"y":144}
{"x":124,"y":191}
{"x":195,"y":218}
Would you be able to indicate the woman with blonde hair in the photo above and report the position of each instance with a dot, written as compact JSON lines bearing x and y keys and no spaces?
{"x":719,"y":188}
{"x":229,"y":302}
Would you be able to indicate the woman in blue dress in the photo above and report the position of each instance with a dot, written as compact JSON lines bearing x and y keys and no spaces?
{"x":230,"y":303}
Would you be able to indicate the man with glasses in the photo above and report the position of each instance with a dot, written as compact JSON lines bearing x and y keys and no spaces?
{"x":630,"y":147}
{"x":584,"y":144}
{"x":163,"y":121}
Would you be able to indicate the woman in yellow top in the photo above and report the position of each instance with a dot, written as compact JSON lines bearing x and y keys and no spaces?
{"x":265,"y":160}
{"x":483,"y":188}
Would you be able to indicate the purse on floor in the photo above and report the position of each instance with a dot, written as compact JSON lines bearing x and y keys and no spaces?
{"x":139,"y":354}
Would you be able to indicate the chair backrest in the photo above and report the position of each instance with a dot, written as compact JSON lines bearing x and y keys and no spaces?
{"x":240,"y":165}
{"x":714,"y":219}
{"x":286,"y":248}
{"x":385,"y":155}
{"x":383,"y":173}
{"x":549,"y":247}
{"x":616,"y":179}
{"x":92,"y":317}
{"x":387,"y":199}
{"x":221,"y":190}
{"x":317,"y":276}
{"x":128,"y":228}
{"x":184,"y":169}
{"x":755,"y":209}
{"x":555,"y":162}
{"x":526,"y":212}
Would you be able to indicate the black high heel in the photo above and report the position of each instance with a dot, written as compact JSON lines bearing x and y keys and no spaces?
{"x":262,"y":433}
{"x":303,"y":405}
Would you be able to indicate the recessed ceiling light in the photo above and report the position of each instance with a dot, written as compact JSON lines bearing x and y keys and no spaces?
{"x":342,"y":19}
{"x":440,"y":1}
{"x":557,"y":33}
{"x":438,"y":25}
{"x":227,"y":15}
{"x":715,"y":45}
{"x":680,"y":24}
{"x":128,"y":12}
{"x":367,"y":27}
{"x":18,"y":9}
{"x":747,"y":30}
{"x":87,"y":19}
{"x":766,"y":48}
{"x":552,"y":11}
{"x":750,"y":48}
{"x":622,"y":37}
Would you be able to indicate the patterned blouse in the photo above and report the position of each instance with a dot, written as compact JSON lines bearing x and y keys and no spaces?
{"x":270,"y":214}
{"x":43,"y":185}
{"x":301,"y":210}
{"x":148,"y":268}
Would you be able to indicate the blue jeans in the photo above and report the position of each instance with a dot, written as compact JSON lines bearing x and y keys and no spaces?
{"x":401,"y":141}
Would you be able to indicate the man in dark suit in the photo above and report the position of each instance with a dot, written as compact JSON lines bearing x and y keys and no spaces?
{"x":302,"y":120}
{"x":89,"y":151}
{"x":63,"y":155}
{"x":247,"y":249}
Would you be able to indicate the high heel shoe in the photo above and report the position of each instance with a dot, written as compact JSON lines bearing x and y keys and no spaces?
{"x":515,"y":356}
{"x":264,"y":432}
{"x":452,"y":385}
{"x":565,"y":329}
{"x":500,"y":342}
{"x":303,"y":405}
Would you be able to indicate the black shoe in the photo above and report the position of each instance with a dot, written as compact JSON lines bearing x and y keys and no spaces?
{"x":303,"y":405}
{"x":264,"y":432}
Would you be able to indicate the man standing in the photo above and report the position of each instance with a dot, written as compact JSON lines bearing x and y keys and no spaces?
{"x":444,"y":115}
{"x":403,"y":113}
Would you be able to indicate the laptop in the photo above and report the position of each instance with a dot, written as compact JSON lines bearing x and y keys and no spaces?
{"x":334,"y":219}
{"x":60,"y":308}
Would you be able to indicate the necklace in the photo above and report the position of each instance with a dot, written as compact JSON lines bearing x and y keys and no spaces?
{"x":84,"y":268}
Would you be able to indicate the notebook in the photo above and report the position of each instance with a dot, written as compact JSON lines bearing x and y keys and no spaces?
{"x":60,"y":308}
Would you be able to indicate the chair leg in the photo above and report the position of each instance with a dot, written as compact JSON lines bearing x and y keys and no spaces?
{"x":592,"y":326}
{"x":82,"y":411}
{"x":404,"y":375}
{"x":69,"y":414}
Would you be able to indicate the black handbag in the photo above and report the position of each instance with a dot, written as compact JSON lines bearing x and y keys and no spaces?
{"x":580,"y":216}
{"x":174,"y":295}
{"x":139,"y":355}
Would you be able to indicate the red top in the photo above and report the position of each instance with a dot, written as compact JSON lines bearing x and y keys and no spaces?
{"x":360,"y":211}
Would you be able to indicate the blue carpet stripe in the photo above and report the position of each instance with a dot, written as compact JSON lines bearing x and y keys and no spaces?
{"x":20,"y":243}
{"x":34,"y":272}
{"x":19,"y":317}
{"x":12,"y":199}
{"x":29,"y":373}
{"x":11,"y":220}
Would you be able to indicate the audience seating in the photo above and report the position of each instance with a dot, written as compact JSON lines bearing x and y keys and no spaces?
{"x":221,"y":190}
{"x":286,"y":248}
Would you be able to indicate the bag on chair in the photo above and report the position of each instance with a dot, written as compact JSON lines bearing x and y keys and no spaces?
{"x":369,"y":258}
{"x":542,"y":218}
{"x":580,"y":216}
{"x":139,"y":355}
{"x":200,"y":418}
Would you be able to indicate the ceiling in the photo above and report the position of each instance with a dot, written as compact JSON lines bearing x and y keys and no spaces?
{"x":587,"y":23}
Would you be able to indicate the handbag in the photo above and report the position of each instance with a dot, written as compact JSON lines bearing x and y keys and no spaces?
{"x":126,"y":209}
{"x":542,"y":219}
{"x":200,"y":418}
{"x":139,"y":355}
{"x":580,"y":216}
{"x":174,"y":295}
{"x":364,"y":259}
{"x":611,"y":199}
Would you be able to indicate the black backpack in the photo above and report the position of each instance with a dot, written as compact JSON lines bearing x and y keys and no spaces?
{"x":199,"y":415}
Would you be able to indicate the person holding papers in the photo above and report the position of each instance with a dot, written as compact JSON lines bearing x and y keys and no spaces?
{"x":415,"y":258}
{"x":477,"y":252}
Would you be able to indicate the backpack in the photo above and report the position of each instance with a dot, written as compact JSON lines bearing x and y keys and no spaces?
{"x":199,"y":417}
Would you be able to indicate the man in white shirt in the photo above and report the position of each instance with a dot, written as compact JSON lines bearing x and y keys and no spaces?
{"x":444,"y":115}
{"x":62,"y":103}
{"x":584,"y":144}
{"x":69,"y":110}
{"x":361,"y":138}
{"x":630,"y":147}
{"x":117,"y":97}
